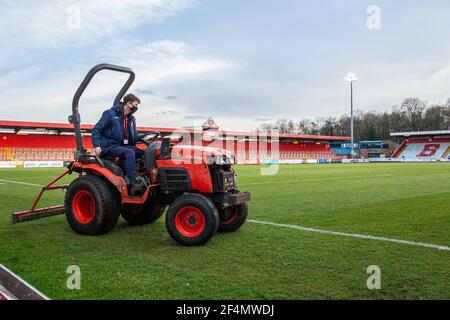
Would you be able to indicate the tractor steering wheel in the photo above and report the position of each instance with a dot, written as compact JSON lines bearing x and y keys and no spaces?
{"x":149,"y":137}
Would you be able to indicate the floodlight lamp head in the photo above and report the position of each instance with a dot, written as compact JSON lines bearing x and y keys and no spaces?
{"x":351,"y":77}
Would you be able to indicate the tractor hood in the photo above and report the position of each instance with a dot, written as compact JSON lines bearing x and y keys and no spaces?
{"x":204,"y":154}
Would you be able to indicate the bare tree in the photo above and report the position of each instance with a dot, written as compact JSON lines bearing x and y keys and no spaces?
{"x":413,"y":109}
{"x":412,"y":115}
{"x":328,"y":127}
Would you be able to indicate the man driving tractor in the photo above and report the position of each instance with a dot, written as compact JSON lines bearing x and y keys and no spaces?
{"x":202,"y":198}
{"x":115,"y":135}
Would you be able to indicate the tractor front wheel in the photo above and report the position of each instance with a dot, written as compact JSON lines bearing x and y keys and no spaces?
{"x":192,"y":219}
{"x":91,"y":205}
{"x":232,"y":218}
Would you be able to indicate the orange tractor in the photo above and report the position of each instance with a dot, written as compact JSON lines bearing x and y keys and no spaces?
{"x":201,"y":196}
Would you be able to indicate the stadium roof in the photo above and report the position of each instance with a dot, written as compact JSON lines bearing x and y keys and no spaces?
{"x":420,"y":133}
{"x":66,"y":127}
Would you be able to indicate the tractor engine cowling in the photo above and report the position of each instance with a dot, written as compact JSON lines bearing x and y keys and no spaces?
{"x":203,"y":170}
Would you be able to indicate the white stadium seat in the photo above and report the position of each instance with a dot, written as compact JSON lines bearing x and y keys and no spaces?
{"x":424,"y":151}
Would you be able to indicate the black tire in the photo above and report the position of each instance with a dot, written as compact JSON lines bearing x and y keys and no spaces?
{"x":233,"y":219}
{"x":92,"y":205}
{"x":139,"y":215}
{"x":192,"y":219}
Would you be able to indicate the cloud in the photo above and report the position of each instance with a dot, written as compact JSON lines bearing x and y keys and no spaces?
{"x":16,"y":76}
{"x":144,"y":92}
{"x":196,"y":117}
{"x":53,"y":23}
{"x":169,"y":112}
{"x":165,"y":48}
{"x":264,"y":119}
{"x":167,"y":63}
{"x":441,"y":74}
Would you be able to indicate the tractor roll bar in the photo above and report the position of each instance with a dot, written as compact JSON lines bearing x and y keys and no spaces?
{"x":75,"y":118}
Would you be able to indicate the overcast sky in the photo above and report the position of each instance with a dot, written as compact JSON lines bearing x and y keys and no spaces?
{"x":244,"y":62}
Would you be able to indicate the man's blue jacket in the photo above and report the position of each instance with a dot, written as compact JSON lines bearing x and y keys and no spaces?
{"x":109,"y":130}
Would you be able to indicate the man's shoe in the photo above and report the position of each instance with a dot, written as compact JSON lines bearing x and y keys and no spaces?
{"x":136,"y":188}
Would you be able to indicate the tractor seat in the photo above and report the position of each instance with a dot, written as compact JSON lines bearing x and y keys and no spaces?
{"x":115,"y":160}
{"x":113,"y":165}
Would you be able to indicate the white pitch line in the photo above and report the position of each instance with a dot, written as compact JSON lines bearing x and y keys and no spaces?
{"x":297,"y":227}
{"x":23,"y":183}
{"x":353,"y":235}
{"x":315,"y":179}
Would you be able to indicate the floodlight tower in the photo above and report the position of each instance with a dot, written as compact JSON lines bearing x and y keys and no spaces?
{"x":351,"y":77}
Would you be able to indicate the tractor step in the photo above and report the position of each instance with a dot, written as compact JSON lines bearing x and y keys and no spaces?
{"x":23,"y":216}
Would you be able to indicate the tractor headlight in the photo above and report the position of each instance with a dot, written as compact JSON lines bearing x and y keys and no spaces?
{"x":224,"y":159}
{"x":220,"y":160}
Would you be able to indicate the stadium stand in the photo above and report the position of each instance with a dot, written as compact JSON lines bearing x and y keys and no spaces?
{"x":366,"y":149}
{"x":423,"y":146}
{"x":30,"y":141}
{"x":37,"y":147}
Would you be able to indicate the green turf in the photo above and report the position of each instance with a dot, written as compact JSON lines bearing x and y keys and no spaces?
{"x":402,"y":201}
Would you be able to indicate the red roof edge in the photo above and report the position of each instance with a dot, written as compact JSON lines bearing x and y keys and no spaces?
{"x":8,"y":124}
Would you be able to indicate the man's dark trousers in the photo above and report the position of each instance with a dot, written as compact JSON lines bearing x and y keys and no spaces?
{"x":128,"y":154}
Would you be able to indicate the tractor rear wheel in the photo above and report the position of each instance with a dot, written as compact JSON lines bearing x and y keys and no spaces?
{"x":91,"y":205}
{"x":232,"y":219}
{"x":192,"y":219}
{"x":139,"y":215}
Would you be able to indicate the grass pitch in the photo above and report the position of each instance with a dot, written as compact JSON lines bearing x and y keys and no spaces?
{"x":400,"y":201}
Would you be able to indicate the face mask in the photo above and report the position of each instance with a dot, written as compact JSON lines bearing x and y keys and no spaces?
{"x":134,"y":109}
